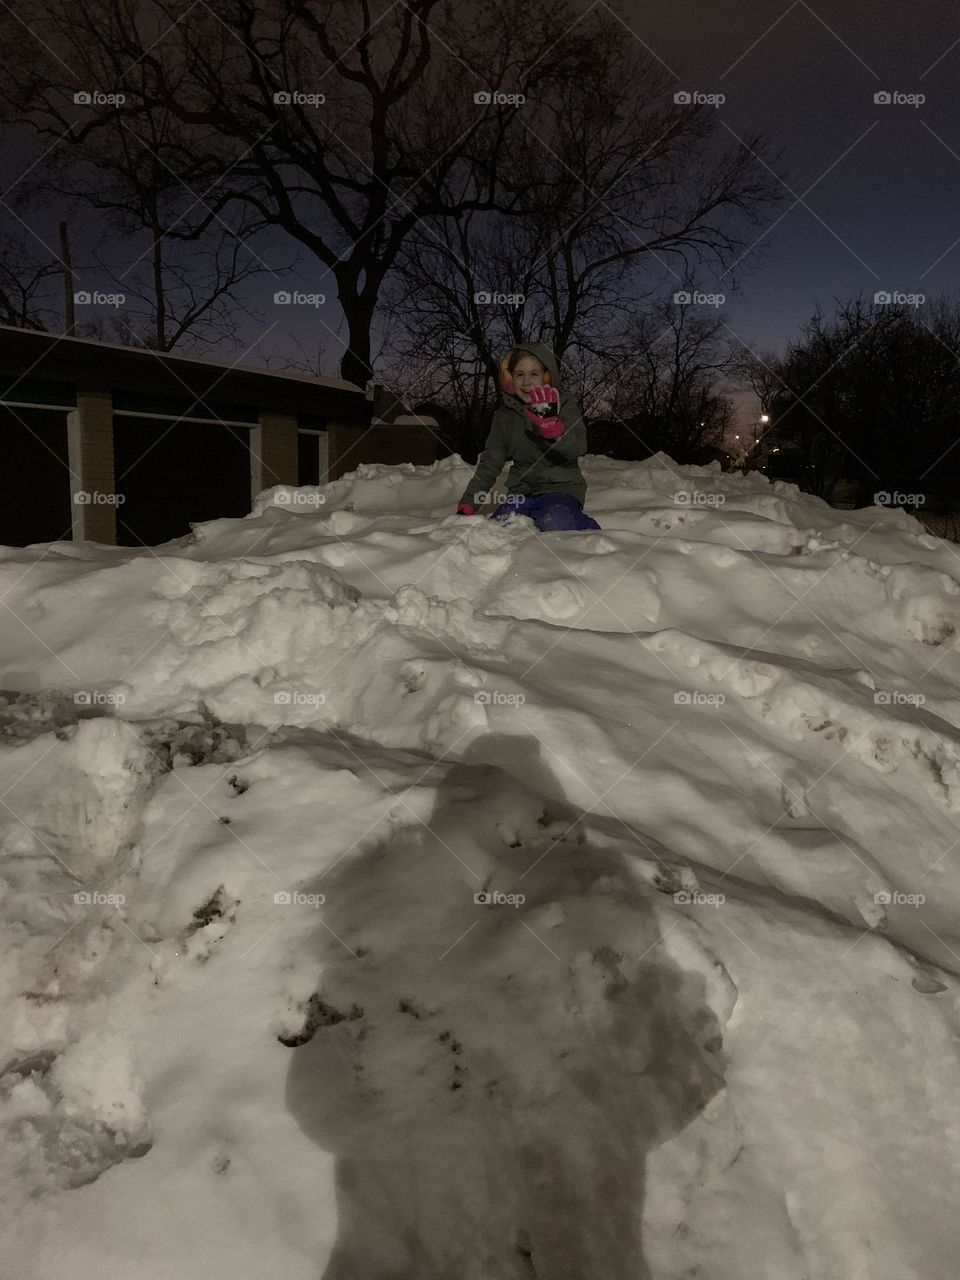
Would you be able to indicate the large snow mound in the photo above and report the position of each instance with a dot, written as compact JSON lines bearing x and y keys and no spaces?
{"x":389,"y":893}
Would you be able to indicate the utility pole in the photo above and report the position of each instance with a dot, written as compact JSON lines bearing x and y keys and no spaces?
{"x":67,"y":280}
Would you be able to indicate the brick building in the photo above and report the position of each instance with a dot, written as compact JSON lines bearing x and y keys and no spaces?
{"x":128,"y":446}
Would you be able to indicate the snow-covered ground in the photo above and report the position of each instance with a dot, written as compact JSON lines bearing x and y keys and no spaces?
{"x":702,"y":768}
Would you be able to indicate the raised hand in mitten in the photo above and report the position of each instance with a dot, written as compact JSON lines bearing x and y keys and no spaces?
{"x":543,"y":410}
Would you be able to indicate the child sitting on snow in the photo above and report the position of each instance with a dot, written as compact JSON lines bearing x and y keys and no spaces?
{"x":542,"y":433}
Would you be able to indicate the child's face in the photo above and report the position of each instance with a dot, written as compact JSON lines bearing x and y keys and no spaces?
{"x":527,"y":372}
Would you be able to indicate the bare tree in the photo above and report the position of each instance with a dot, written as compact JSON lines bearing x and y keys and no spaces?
{"x":177,"y":298}
{"x":398,"y":136}
{"x":618,"y":189}
{"x":759,"y":372}
{"x":25,"y":293}
{"x":669,"y":390}
{"x":182,"y":286}
{"x":342,"y":127}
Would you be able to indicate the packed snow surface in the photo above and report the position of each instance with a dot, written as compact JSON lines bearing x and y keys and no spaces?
{"x":393,"y":895}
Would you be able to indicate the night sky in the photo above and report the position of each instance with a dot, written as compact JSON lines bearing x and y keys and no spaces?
{"x":874,"y":189}
{"x":878,"y":185}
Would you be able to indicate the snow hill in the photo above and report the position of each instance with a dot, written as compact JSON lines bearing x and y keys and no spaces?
{"x":391,"y":894}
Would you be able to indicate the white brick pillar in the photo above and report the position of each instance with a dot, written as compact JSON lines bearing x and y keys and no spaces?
{"x":93,"y":496}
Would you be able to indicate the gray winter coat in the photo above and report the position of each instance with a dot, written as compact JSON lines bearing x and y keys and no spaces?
{"x":537,"y":465}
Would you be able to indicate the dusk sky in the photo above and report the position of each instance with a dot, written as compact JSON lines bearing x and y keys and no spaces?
{"x":874,"y":189}
{"x":871,"y":189}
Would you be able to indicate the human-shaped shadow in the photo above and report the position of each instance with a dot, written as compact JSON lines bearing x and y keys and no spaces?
{"x":491,"y":1076}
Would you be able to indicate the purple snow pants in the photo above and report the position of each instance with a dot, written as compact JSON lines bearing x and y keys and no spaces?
{"x":548,"y":511}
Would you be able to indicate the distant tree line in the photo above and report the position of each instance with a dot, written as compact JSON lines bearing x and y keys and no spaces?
{"x":866,"y":402}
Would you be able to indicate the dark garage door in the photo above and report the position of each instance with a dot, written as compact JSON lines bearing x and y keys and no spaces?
{"x":34,"y":477}
{"x":308,"y":457}
{"x":175,"y":474}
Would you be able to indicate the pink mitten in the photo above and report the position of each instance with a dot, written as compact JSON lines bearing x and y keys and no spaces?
{"x":542,"y":409}
{"x":464,"y":509}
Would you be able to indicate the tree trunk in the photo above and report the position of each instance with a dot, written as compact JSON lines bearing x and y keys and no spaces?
{"x":355,"y":363}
